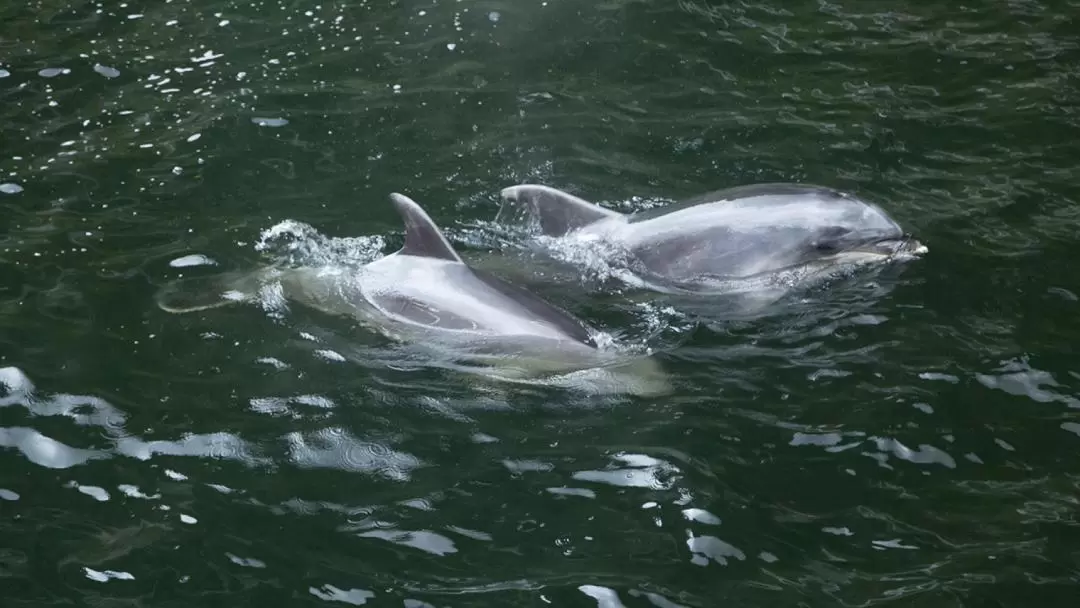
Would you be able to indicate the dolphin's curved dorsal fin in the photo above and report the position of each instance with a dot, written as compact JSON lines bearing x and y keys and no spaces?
{"x":422,"y":237}
{"x":556,"y":211}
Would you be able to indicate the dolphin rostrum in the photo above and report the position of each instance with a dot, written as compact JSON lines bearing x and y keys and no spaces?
{"x":425,"y":294}
{"x":735,"y":239}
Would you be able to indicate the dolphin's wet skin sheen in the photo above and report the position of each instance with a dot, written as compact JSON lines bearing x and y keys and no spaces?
{"x":729,"y":240}
{"x":426,"y":295}
{"x":763,"y":239}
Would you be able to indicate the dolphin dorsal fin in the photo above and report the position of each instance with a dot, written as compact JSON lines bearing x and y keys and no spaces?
{"x":422,"y":237}
{"x":557,"y":212}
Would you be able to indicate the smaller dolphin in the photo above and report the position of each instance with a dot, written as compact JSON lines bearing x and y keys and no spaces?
{"x":738,"y":239}
{"x":425,"y":294}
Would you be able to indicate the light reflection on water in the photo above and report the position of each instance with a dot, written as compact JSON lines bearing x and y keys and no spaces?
{"x":907,"y":437}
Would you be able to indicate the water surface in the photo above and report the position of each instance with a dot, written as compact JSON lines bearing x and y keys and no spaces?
{"x":906,"y":440}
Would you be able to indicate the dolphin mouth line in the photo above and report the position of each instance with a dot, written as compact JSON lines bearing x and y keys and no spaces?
{"x":904,"y":247}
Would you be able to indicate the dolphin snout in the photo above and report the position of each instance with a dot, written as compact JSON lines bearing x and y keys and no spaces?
{"x":906,"y":245}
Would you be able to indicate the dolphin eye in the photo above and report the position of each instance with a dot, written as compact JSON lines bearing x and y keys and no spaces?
{"x":834,"y":232}
{"x":830,"y":237}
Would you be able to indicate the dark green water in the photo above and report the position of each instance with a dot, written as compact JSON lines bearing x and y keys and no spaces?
{"x":911,"y":441}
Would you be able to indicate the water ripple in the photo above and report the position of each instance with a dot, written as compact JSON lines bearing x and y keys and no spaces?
{"x":336,"y":448}
{"x":896,"y":439}
{"x":45,"y":451}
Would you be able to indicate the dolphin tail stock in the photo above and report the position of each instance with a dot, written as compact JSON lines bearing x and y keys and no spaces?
{"x":552,"y":211}
{"x":204,"y":293}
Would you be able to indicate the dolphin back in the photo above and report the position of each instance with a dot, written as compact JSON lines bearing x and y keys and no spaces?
{"x":570,"y":325}
{"x":551,"y":211}
{"x":427,"y":303}
{"x":765,"y":189}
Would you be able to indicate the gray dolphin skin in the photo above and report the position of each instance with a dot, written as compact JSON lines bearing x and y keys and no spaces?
{"x":736,"y":239}
{"x":426,"y":294}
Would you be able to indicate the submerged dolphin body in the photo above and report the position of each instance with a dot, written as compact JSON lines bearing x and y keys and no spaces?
{"x":735,"y":240}
{"x":425,"y":294}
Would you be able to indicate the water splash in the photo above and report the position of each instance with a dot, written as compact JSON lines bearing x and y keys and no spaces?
{"x":299,"y":244}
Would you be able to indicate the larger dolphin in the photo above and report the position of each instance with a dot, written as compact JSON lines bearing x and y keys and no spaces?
{"x":736,"y":239}
{"x":425,"y":294}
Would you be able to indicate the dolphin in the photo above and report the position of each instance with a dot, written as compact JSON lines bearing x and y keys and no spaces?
{"x":426,"y":295}
{"x":739,"y":239}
